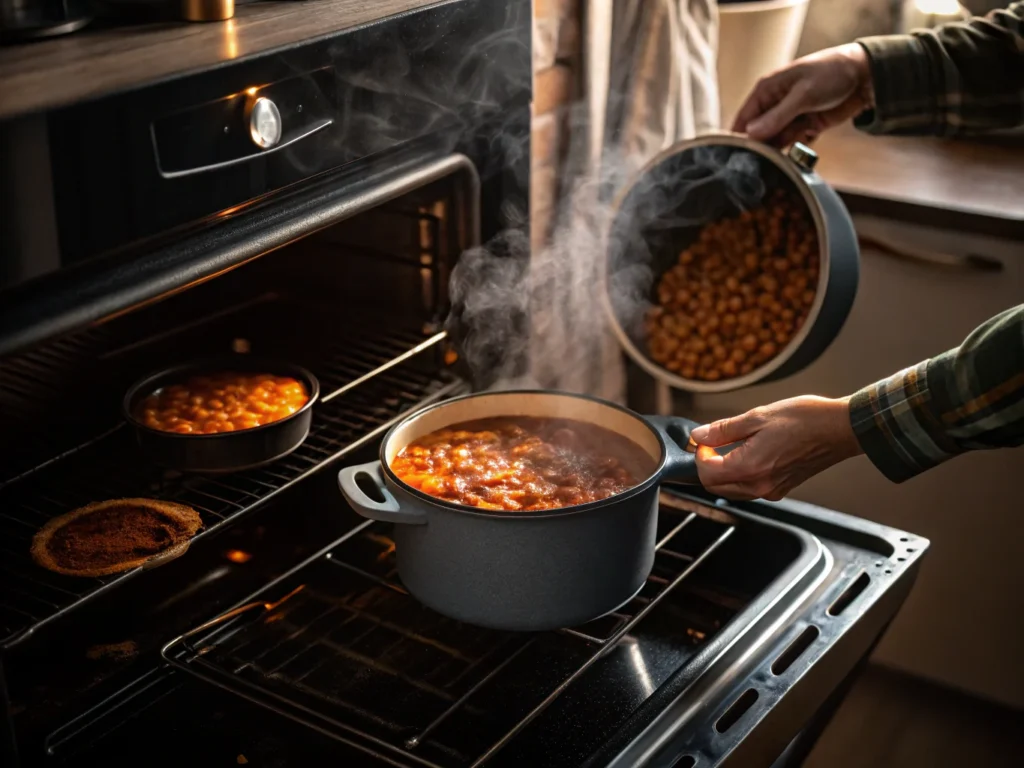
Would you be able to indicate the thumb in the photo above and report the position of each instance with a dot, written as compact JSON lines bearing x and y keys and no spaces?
{"x":727,"y":431}
{"x":773,"y":121}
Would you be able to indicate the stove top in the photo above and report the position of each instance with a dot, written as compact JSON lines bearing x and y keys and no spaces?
{"x":333,"y":660}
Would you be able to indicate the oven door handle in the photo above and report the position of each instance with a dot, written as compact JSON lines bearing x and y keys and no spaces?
{"x":289,"y":141}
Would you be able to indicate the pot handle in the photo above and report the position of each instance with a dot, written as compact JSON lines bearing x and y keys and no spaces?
{"x":388,"y":510}
{"x":681,"y":458}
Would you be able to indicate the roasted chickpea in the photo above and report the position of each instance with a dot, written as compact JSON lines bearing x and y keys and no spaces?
{"x":738,"y":293}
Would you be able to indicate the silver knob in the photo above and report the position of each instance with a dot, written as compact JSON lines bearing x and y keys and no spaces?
{"x":264,"y":123}
{"x":803,"y":156}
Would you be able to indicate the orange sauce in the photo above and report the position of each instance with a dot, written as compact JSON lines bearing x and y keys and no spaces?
{"x":522,"y":463}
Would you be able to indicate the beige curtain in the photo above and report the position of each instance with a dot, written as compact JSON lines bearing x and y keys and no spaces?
{"x":649,"y":82}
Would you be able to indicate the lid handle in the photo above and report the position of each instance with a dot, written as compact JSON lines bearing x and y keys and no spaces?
{"x":803,"y":156}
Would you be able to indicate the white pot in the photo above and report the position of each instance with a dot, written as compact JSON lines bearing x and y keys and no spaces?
{"x":754,"y":39}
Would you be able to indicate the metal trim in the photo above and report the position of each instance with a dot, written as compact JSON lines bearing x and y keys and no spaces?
{"x":315,"y":128}
{"x":49,"y":307}
{"x":685,"y":727}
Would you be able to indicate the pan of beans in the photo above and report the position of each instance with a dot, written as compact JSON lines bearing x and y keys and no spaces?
{"x":526,"y":510}
{"x":222,"y":414}
{"x":729,"y":263}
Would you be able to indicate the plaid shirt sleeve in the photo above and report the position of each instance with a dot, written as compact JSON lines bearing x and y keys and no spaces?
{"x":957,"y":79}
{"x":968,"y":398}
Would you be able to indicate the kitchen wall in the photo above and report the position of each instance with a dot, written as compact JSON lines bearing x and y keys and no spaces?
{"x":557,"y":71}
{"x":556,"y":74}
{"x":832,"y":22}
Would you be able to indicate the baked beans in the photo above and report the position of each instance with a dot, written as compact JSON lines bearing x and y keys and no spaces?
{"x":522,"y":463}
{"x":222,"y":402}
{"x":737,"y":296}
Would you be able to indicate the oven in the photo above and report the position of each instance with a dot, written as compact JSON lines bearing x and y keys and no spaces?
{"x":281,"y":635}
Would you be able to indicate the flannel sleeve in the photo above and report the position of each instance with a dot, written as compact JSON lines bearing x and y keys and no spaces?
{"x":968,"y":398}
{"x":957,"y":79}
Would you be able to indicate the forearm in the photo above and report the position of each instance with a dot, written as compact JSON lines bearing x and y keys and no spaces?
{"x":968,"y":398}
{"x":960,"y":78}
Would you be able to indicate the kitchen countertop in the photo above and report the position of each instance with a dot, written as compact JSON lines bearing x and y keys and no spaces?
{"x":103,"y":59}
{"x":952,"y":183}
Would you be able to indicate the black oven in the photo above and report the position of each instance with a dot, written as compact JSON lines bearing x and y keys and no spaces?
{"x":321,"y":226}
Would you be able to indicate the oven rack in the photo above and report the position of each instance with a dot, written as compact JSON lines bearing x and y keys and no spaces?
{"x":289,"y":649}
{"x":370,"y":380}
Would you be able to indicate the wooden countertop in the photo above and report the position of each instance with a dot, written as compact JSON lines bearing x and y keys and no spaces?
{"x":980,"y":178}
{"x":104,"y":59}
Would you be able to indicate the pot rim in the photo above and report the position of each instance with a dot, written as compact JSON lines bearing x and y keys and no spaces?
{"x":803,"y":186}
{"x":419,"y":495}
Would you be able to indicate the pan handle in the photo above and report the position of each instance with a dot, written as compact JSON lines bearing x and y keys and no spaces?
{"x":681,"y":458}
{"x":388,"y":510}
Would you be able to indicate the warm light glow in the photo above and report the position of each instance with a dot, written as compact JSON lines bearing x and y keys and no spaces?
{"x":230,"y":47}
{"x":388,"y":544}
{"x":641,"y":668}
{"x":938,"y":7}
{"x":251,"y":91}
{"x":237,"y":556}
{"x":231,"y":210}
{"x":289,"y":596}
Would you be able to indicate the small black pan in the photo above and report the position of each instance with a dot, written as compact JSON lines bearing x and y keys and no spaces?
{"x":226,"y":451}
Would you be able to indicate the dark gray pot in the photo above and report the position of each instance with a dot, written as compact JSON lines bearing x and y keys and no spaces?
{"x":662,"y":210}
{"x":515,"y":570}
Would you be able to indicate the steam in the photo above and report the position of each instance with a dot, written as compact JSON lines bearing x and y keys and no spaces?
{"x":599,"y":257}
{"x":540,"y":320}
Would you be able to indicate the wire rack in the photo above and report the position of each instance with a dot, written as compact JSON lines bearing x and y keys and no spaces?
{"x":340,"y":646}
{"x":370,"y":378}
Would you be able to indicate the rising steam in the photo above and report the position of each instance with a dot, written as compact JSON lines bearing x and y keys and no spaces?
{"x":540,"y":320}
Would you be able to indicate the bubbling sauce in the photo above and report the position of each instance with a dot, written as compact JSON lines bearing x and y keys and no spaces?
{"x":522,"y":463}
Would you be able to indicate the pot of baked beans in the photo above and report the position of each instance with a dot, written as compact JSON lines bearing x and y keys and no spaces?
{"x":221,"y":414}
{"x":525,"y":510}
{"x":729,"y":263}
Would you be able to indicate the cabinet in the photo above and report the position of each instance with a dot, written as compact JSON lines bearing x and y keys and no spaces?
{"x":961,"y":625}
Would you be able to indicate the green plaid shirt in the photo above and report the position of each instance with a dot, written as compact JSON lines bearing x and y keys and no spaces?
{"x":968,"y":398}
{"x":957,"y":79}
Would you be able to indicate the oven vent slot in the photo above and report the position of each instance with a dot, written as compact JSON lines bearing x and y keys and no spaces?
{"x":686,"y":761}
{"x":795,"y":650}
{"x":851,"y":593}
{"x":736,"y":711}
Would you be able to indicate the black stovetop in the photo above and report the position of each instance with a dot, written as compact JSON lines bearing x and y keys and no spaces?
{"x":389,"y":689}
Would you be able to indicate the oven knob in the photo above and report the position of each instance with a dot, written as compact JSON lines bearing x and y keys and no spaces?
{"x":264,"y":123}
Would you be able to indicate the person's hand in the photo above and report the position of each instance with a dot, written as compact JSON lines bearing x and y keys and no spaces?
{"x":808,"y":96}
{"x":783,"y":444}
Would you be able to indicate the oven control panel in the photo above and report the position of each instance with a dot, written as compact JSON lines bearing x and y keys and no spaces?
{"x":261,"y":119}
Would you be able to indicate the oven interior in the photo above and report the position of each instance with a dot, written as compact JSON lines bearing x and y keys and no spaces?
{"x":360,"y":303}
{"x":329,"y":638}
